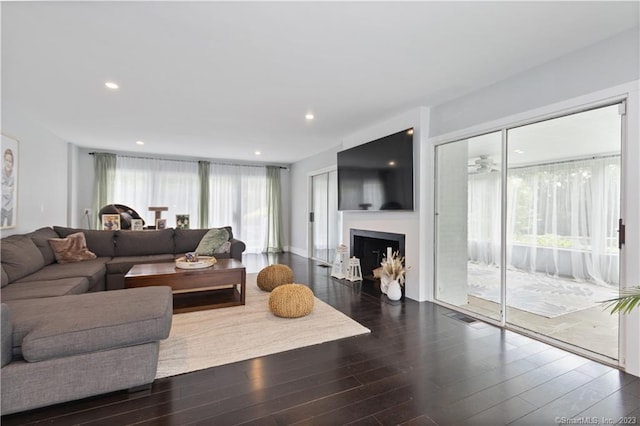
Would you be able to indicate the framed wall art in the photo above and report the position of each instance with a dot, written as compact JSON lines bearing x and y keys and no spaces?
{"x":10,"y":156}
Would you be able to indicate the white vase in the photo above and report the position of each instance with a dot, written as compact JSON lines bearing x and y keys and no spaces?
{"x":394,"y":292}
{"x":384,"y":283}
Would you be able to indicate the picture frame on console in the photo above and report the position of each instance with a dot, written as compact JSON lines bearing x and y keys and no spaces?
{"x":136,"y":225}
{"x":111,"y":222}
{"x":161,"y":223}
{"x":10,"y":155}
{"x":182,"y":221}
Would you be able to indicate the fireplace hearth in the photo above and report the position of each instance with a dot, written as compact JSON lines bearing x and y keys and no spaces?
{"x":370,"y":247}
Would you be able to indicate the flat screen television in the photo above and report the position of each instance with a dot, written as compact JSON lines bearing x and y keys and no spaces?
{"x":377,"y":175}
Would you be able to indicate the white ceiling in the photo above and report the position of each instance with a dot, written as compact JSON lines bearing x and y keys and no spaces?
{"x":222,"y":79}
{"x":592,"y":133}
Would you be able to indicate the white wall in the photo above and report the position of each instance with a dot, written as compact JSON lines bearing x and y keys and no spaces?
{"x":84,"y":188}
{"x":600,"y":66}
{"x":451,"y":245}
{"x":42,"y":174}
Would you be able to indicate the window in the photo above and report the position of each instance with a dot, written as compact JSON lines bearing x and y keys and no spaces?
{"x":238,"y":197}
{"x":144,"y":182}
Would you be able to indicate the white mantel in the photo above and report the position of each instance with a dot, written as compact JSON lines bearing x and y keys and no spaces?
{"x":406,"y":223}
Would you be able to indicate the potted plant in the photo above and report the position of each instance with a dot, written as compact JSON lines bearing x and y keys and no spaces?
{"x":628,"y":299}
{"x":392,"y":276}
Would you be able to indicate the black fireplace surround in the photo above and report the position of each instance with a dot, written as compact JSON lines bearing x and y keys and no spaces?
{"x":371,"y":246}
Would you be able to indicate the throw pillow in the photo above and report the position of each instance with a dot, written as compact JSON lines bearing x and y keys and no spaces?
{"x":211,"y":241}
{"x":73,"y":248}
{"x":224,"y":248}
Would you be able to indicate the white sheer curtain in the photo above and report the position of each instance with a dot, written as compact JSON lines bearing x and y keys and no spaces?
{"x":238,"y":197}
{"x":484,"y":218}
{"x":144,"y":182}
{"x":561,"y":219}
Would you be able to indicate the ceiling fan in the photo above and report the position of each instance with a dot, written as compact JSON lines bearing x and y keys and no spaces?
{"x":483,"y":164}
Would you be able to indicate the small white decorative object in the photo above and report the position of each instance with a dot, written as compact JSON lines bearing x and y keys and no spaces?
{"x":394,"y":292}
{"x":355,"y":272}
{"x":136,"y":224}
{"x":339,"y":269}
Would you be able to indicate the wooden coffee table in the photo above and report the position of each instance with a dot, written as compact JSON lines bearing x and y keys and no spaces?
{"x":217,"y":286}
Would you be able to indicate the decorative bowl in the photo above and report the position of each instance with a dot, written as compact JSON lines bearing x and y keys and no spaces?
{"x":203,"y":262}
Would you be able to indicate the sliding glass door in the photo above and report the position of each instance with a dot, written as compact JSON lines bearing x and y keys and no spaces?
{"x":526,"y":227}
{"x":324,"y":217}
{"x":563,"y":206}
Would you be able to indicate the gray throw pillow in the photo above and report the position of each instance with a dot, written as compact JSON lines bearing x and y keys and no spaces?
{"x":211,"y":241}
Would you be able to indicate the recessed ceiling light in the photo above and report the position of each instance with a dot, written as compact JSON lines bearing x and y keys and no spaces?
{"x":140,"y":142}
{"x":111,"y":85}
{"x":258,"y":153}
{"x":410,"y":131}
{"x":309,"y":116}
{"x":392,"y":163}
{"x":518,"y":151}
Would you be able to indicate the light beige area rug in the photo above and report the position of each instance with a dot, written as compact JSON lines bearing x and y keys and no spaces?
{"x":205,"y":339}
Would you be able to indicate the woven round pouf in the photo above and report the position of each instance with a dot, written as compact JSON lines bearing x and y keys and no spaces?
{"x":291,"y":301}
{"x":274,"y":275}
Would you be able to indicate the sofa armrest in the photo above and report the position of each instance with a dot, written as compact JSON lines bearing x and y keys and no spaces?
{"x":237,"y":248}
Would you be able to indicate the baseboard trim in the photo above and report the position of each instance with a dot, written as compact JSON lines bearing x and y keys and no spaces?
{"x":298,"y":251}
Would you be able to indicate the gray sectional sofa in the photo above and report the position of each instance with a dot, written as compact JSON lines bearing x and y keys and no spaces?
{"x":63,"y":336}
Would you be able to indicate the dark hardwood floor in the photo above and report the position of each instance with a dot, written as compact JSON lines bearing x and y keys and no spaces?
{"x":419,"y":366}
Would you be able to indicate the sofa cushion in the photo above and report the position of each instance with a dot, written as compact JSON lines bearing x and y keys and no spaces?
{"x":20,"y":256}
{"x":187,"y":240}
{"x":41,"y":238}
{"x":99,"y":242}
{"x":71,"y":249}
{"x":5,"y":277}
{"x":48,"y":288}
{"x":7,"y":333}
{"x":121,"y":265}
{"x":212,"y":240}
{"x":137,"y":243}
{"x":94,"y":270}
{"x":100,"y":321}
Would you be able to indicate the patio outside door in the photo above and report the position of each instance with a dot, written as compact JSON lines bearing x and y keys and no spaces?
{"x":526,"y":227}
{"x":324,"y":217}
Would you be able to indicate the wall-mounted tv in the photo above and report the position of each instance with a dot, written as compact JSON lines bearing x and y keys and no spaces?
{"x":377,"y":175}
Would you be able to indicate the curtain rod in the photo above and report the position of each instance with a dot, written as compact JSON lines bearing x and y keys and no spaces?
{"x":190,"y":161}
{"x":597,"y":157}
